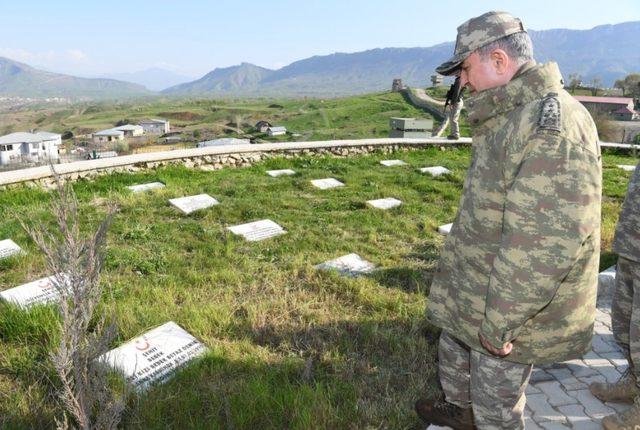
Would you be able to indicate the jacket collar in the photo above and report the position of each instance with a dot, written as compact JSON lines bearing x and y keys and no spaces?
{"x":531,"y":82}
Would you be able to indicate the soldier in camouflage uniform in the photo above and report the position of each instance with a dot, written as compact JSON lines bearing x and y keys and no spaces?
{"x":625,"y":311}
{"x":516,"y":282}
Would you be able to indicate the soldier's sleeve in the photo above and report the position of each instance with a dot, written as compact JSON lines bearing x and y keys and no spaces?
{"x":549,"y":213}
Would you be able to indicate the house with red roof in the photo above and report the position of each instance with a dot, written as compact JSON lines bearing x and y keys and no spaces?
{"x":620,"y":108}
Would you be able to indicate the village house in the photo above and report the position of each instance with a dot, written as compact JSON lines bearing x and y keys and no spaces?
{"x":29,"y":147}
{"x":620,"y":108}
{"x":131,"y":130}
{"x":155,"y":126}
{"x":276,"y":131}
{"x":108,"y":135}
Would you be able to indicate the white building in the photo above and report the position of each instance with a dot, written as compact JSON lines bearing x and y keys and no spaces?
{"x":131,"y":130}
{"x":108,"y":135}
{"x":276,"y":131}
{"x":29,"y":147}
{"x":155,"y":126}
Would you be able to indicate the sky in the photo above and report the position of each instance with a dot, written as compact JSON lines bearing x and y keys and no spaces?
{"x":95,"y":37}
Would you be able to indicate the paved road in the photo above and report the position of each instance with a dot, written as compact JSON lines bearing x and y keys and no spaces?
{"x":422,"y":94}
{"x":558,"y":396}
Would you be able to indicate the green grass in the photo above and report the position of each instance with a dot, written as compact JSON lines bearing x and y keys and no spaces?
{"x":261,"y":307}
{"x":353,"y":117}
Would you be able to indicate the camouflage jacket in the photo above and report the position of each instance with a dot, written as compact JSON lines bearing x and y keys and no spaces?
{"x":521,"y":261}
{"x":627,"y":239}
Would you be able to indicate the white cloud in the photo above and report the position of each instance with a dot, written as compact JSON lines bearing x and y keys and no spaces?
{"x":77,"y":55}
{"x":30,"y":57}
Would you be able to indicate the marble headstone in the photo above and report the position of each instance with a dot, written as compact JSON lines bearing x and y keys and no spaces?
{"x":626,"y":167}
{"x":325,"y":184}
{"x":154,"y":356}
{"x":445,"y":229}
{"x":391,"y":163}
{"x":387,"y":203}
{"x":606,"y":282}
{"x":193,"y":203}
{"x":37,"y":292}
{"x":435,"y":171}
{"x":146,"y":187}
{"x":8,"y":248}
{"x":258,"y":230}
{"x":350,"y":264}
{"x":276,"y":173}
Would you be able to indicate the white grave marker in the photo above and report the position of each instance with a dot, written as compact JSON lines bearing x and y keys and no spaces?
{"x":258,"y":230}
{"x":350,"y":264}
{"x":384,"y":204}
{"x":445,"y":229}
{"x":193,"y":203}
{"x":626,"y":167}
{"x":276,"y":173}
{"x":606,"y":281}
{"x":435,"y":171}
{"x":146,"y":187}
{"x":37,"y":292}
{"x":8,"y":248}
{"x":435,"y":427}
{"x":391,"y":163}
{"x":325,"y":184}
{"x":155,"y":355}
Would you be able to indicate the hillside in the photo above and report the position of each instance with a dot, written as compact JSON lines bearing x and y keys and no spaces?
{"x":608,"y":52}
{"x":21,"y":80}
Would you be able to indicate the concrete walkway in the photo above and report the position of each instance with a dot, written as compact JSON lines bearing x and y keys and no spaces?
{"x":558,"y":395}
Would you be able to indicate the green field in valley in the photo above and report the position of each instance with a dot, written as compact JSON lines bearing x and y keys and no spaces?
{"x":291,"y":347}
{"x":356,"y":117}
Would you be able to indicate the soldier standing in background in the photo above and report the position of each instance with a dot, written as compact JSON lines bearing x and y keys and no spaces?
{"x":517,"y":278}
{"x":625,"y":312}
{"x":455,"y":104}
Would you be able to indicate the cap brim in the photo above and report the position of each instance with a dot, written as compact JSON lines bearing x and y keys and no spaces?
{"x":450,"y":67}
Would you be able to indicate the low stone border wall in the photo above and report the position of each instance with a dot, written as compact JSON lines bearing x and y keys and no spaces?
{"x":216,"y":157}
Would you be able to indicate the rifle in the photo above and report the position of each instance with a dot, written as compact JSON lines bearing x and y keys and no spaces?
{"x":453,"y":95}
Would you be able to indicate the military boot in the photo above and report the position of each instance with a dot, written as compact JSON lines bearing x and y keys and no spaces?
{"x":442,"y":413}
{"x":624,"y":391}
{"x":627,"y":420}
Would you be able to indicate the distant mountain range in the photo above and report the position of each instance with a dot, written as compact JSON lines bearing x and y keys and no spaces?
{"x":20,"y":80}
{"x":155,"y":78}
{"x":607,"y":52}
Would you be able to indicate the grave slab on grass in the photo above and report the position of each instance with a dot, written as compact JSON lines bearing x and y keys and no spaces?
{"x":350,"y":265}
{"x":154,"y":356}
{"x":445,"y":229}
{"x":8,"y":248}
{"x":606,"y":281}
{"x":146,"y":187}
{"x":391,"y":163}
{"x":384,"y":204}
{"x":258,"y":230}
{"x":276,"y":173}
{"x":37,"y":292}
{"x":435,"y":171}
{"x":193,"y":203}
{"x":325,"y":184}
{"x":626,"y":167}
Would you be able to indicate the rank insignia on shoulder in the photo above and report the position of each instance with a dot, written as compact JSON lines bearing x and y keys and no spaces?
{"x":549,"y":113}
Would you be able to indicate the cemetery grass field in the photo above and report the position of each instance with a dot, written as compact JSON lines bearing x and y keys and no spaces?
{"x":291,"y":347}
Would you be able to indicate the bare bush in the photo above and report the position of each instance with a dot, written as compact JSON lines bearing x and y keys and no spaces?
{"x":607,"y":130}
{"x":86,"y":332}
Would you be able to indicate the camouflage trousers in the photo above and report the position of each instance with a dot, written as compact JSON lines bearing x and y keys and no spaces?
{"x":493,"y":387}
{"x":453,"y":118}
{"x":625,"y":312}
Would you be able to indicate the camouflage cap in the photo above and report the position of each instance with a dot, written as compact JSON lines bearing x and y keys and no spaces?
{"x":478,"y":32}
